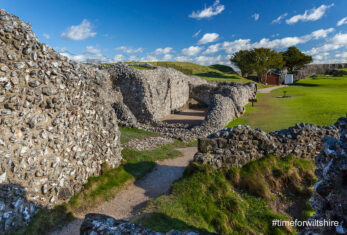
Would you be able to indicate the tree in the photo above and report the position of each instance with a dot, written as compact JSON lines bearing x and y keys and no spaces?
{"x":295,"y":59}
{"x":264,"y":60}
{"x":243,"y":60}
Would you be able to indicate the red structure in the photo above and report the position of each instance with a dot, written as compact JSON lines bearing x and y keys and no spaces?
{"x":273,"y":79}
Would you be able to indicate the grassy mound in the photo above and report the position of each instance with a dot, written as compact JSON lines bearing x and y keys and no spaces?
{"x":320,"y":100}
{"x":232,"y":201}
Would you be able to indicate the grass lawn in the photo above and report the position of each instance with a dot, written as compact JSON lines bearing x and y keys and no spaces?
{"x":234,"y":200}
{"x":320,"y":100}
{"x":345,"y":69}
{"x":104,"y":187}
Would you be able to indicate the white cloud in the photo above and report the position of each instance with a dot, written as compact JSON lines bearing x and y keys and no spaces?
{"x":278,"y":20}
{"x":237,"y":45}
{"x":212,"y":49}
{"x":245,"y":44}
{"x":129,"y":50}
{"x":310,"y":15}
{"x":118,"y":58}
{"x":256,"y":16}
{"x":208,"y":37}
{"x":167,"y":57}
{"x":208,"y":60}
{"x":208,"y":12}
{"x":46,"y":35}
{"x":336,"y":42}
{"x":92,"y":50}
{"x":165,"y":50}
{"x":79,"y":32}
{"x":342,"y":21}
{"x":78,"y":58}
{"x":191,"y":51}
{"x":197,"y":33}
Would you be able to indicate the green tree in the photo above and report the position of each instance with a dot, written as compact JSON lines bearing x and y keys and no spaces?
{"x":243,"y":60}
{"x":295,"y":59}
{"x":264,"y":60}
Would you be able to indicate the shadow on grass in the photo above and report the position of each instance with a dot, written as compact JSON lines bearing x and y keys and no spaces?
{"x":139,"y":169}
{"x":162,"y":223}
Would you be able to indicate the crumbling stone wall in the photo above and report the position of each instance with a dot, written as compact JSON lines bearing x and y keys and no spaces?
{"x":57,"y":125}
{"x":312,"y":69}
{"x":239,"y":145}
{"x":152,"y":94}
{"x":330,"y":192}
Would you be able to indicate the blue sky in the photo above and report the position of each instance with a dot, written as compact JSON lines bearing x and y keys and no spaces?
{"x":204,"y":32}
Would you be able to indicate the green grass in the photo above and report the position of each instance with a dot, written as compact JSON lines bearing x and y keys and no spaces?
{"x":320,"y":100}
{"x":128,"y":134}
{"x":220,"y":200}
{"x":104,"y":187}
{"x":141,"y":68}
{"x":345,"y":69}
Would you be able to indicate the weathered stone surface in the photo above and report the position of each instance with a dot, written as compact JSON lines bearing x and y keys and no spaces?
{"x":106,"y":225}
{"x":239,"y":145}
{"x":313,"y":69}
{"x":330,"y":192}
{"x":57,"y":125}
{"x":151,"y":94}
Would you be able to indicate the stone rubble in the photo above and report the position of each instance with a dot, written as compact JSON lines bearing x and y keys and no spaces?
{"x":105,"y":225}
{"x":330,"y":192}
{"x":57,"y":124}
{"x":148,"y":143}
{"x":239,"y":145}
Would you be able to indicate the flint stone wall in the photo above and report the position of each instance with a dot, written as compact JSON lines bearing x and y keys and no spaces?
{"x":329,"y":198}
{"x":103,"y":224}
{"x":152,"y":94}
{"x":57,"y":125}
{"x":312,"y":69}
{"x":239,"y":145}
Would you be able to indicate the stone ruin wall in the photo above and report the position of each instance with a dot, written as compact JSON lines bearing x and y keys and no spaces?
{"x":149,"y":95}
{"x":313,"y":69}
{"x":239,"y":145}
{"x":329,"y":198}
{"x":57,"y":125}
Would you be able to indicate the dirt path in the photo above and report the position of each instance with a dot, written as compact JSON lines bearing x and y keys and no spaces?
{"x":269,"y":89}
{"x":189,"y":116}
{"x":131,"y":200}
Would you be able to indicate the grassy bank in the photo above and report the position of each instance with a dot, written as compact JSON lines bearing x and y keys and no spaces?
{"x":320,"y":100}
{"x":104,"y":187}
{"x":232,"y":201}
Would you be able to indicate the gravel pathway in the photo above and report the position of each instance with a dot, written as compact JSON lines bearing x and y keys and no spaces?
{"x":129,"y":202}
{"x":269,"y":89}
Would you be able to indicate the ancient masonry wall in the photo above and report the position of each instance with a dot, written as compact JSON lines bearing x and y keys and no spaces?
{"x":312,"y":69}
{"x":329,"y":198}
{"x":239,"y":145}
{"x":57,"y":125}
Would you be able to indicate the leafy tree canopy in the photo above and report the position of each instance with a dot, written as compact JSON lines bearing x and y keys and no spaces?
{"x":295,"y":59}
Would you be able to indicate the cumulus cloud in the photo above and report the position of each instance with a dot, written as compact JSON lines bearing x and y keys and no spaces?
{"x":191,"y":51}
{"x":282,"y":43}
{"x":336,"y":42}
{"x":92,"y":50}
{"x":46,"y":35}
{"x":79,"y":32}
{"x":279,"y":19}
{"x":256,"y":16}
{"x":208,"y":38}
{"x":212,"y":49}
{"x":78,"y":58}
{"x":167,"y":57}
{"x":197,"y":33}
{"x":129,"y":50}
{"x":342,"y":21}
{"x":208,"y":12}
{"x":118,"y":58}
{"x":165,"y":50}
{"x":208,"y":60}
{"x":310,"y":15}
